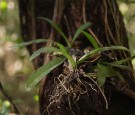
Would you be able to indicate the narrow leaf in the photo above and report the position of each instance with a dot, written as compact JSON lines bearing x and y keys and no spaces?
{"x":124,"y":60}
{"x":43,"y":71}
{"x":124,"y":67}
{"x":115,"y":48}
{"x":91,"y":39}
{"x":79,"y":30}
{"x":66,"y":54}
{"x":29,"y":43}
{"x":43,"y":50}
{"x":87,"y":55}
{"x":57,"y":28}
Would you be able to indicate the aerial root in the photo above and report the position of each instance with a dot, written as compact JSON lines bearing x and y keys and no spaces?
{"x":70,"y":87}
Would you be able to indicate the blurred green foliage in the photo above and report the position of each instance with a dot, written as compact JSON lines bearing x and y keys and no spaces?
{"x":5,"y":107}
{"x":3,"y":5}
{"x":15,"y":66}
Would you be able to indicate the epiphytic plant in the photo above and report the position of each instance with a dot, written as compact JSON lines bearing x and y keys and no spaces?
{"x":104,"y":69}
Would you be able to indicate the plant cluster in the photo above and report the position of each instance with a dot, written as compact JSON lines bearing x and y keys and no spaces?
{"x":80,"y":73}
{"x":104,"y":68}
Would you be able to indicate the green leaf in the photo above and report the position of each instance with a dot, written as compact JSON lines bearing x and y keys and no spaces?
{"x":30,"y":42}
{"x":91,"y":39}
{"x":124,"y":67}
{"x":79,"y":30}
{"x":66,"y":54}
{"x":124,"y":60}
{"x":57,"y":28}
{"x":43,"y":50}
{"x":115,"y":48}
{"x":105,"y":71}
{"x":87,"y":55}
{"x":43,"y":71}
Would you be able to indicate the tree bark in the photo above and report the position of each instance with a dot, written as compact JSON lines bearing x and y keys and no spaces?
{"x":107,"y":28}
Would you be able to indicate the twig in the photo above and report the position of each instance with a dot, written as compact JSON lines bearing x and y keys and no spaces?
{"x":9,"y":99}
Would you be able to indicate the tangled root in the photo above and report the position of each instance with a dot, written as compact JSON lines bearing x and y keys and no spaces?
{"x":70,"y":87}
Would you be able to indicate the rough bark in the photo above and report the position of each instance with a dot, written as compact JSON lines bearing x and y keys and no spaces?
{"x":107,"y":28}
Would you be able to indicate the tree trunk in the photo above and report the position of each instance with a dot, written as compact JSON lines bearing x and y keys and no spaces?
{"x":107,"y":28}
